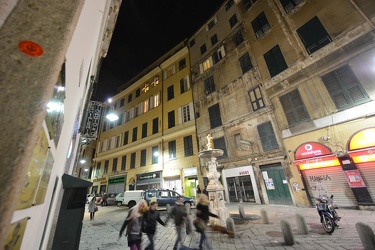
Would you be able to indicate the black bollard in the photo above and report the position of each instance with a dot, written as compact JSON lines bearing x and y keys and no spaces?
{"x":287,"y":233}
{"x":366,"y":235}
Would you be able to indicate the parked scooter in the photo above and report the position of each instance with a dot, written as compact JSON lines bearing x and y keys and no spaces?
{"x":327,"y":213}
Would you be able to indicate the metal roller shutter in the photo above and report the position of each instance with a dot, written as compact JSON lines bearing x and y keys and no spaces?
{"x":367,"y":171}
{"x":116,"y":188}
{"x":335,"y":183}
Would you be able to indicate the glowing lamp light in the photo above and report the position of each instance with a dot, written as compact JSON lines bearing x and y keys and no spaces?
{"x":364,"y":158}
{"x":156,"y":154}
{"x":112,"y":117}
{"x":54,"y":107}
{"x":82,"y":161}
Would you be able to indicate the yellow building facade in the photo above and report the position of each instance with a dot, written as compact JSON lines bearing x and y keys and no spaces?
{"x":153,"y":143}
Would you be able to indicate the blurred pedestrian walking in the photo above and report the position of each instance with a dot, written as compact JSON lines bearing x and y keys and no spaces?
{"x":203,"y":214}
{"x":133,"y":223}
{"x":92,"y":207}
{"x":179,"y":214}
{"x":151,"y":218}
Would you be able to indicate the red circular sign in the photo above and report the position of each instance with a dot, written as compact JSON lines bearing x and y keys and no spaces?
{"x":311,"y":149}
{"x":30,"y":48}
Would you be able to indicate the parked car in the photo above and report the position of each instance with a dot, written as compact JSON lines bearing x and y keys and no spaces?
{"x":98,"y":201}
{"x":166,"y":196}
{"x":111,"y":198}
{"x":119,"y":199}
{"x":132,"y":197}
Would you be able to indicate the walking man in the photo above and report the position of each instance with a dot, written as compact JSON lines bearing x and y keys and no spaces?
{"x":179,"y":214}
{"x":151,"y":218}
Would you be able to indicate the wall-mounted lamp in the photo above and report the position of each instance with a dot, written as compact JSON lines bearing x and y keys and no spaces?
{"x":111,"y":115}
{"x":83,"y":161}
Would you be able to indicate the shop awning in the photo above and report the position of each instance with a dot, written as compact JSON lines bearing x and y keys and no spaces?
{"x":318,"y":162}
{"x":311,"y":155}
{"x":363,"y":155}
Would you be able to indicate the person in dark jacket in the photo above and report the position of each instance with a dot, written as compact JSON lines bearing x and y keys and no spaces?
{"x":203,"y":214}
{"x":151,"y":218}
{"x":133,"y":223}
{"x":205,"y":190}
{"x":179,"y":214}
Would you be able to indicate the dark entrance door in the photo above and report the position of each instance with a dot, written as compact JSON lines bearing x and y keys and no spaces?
{"x":276,"y":185}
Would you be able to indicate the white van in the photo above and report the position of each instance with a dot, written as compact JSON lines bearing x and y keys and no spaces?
{"x":132,"y":197}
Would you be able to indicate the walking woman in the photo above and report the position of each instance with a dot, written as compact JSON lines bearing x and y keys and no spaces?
{"x":152,"y":217}
{"x":134,"y":222}
{"x":203,"y":214}
{"x":92,"y":207}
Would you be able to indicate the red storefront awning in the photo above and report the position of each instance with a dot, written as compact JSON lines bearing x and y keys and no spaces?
{"x":361,"y":146}
{"x":314,"y":155}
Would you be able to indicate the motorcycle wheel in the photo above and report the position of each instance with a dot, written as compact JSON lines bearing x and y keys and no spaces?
{"x":328,"y":224}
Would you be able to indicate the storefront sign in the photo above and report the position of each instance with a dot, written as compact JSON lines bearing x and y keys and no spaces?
{"x":354,"y":179}
{"x":116,"y":180}
{"x":366,"y":155}
{"x":311,"y":149}
{"x":319,"y":162}
{"x":362,"y":139}
{"x":147,"y":176}
{"x":190,"y":172}
{"x":244,"y":172}
{"x":102,"y":179}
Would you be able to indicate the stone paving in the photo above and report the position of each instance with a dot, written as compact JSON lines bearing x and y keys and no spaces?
{"x":102,"y":233}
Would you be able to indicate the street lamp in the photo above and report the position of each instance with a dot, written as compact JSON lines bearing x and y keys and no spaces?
{"x":111,"y":116}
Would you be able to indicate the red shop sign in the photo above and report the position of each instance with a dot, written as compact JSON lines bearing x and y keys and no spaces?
{"x":311,"y":149}
{"x":354,"y":178}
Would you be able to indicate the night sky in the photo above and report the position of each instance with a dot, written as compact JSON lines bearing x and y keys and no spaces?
{"x":145,"y":30}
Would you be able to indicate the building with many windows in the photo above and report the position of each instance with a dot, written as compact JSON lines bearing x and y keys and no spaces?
{"x":153,"y":143}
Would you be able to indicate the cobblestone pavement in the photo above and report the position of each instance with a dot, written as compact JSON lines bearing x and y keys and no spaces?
{"x":102,"y":233}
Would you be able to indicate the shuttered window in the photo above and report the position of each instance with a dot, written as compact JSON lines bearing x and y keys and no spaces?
{"x":132,"y":160}
{"x":114,"y":165}
{"x":313,"y":35}
{"x":345,"y":89}
{"x":155,"y":126}
{"x":172,"y":149}
{"x":275,"y":61}
{"x":219,"y":143}
{"x":143,"y":157}
{"x":106,"y":163}
{"x":135,"y":131}
{"x":188,"y":145}
{"x":294,"y":108}
{"x":215,"y":116}
{"x":123,"y":162}
{"x":171,"y":119}
{"x":267,"y":136}
{"x":126,"y":137}
{"x":155,"y":154}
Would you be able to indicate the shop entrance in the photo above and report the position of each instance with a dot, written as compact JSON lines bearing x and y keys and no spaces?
{"x":240,"y":188}
{"x":276,"y":185}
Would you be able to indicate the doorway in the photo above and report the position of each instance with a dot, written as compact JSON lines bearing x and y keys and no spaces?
{"x":276,"y":185}
{"x":240,"y":189}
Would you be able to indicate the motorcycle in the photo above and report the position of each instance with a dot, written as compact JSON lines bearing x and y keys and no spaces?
{"x":327,"y":213}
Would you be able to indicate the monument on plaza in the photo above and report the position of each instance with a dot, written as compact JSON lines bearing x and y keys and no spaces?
{"x":215,"y":188}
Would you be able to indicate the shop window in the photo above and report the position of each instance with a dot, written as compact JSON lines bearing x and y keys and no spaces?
{"x":123,"y":162}
{"x":170,"y":92}
{"x":256,"y":99}
{"x":105,"y":170}
{"x":114,"y":165}
{"x":267,"y":137}
{"x":214,"y":40}
{"x":260,"y":25}
{"x":219,"y":143}
{"x":144,"y":130}
{"x":215,"y":116}
{"x":135,"y":131}
{"x":203,"y":49}
{"x":245,"y":63}
{"x":248,"y":3}
{"x":182,"y":64}
{"x":275,"y":61}
{"x":188,"y":145}
{"x":290,"y":5}
{"x":171,"y":119}
{"x":209,"y":85}
{"x":143,"y":158}
{"x":345,"y":89}
{"x":155,"y":125}
{"x":233,"y":20}
{"x":126,"y":137}
{"x":172,"y":149}
{"x":313,"y":35}
{"x":238,"y":38}
{"x":155,"y":154}
{"x":132,"y":160}
{"x":294,"y":108}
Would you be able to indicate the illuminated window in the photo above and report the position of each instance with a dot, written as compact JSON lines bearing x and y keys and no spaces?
{"x":146,"y":87}
{"x":145,"y":106}
{"x":155,"y":82}
{"x":207,"y":64}
{"x":156,"y":100}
